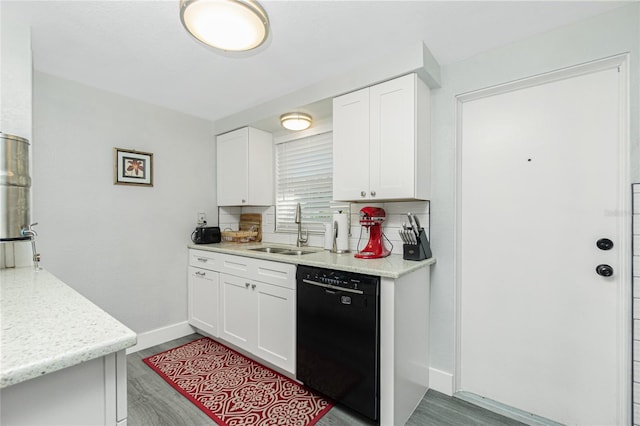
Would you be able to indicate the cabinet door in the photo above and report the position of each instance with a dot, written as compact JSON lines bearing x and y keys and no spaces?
{"x":203,"y":288}
{"x":261,"y":183}
{"x":233,"y":162}
{"x":275,"y":338}
{"x":351,"y":146}
{"x":238,"y":314}
{"x":392,"y":138}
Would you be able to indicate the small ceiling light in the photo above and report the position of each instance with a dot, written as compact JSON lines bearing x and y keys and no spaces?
{"x":295,"y":121}
{"x":230,"y":25}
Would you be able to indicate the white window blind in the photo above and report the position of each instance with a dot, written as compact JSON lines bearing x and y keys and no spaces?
{"x":304,"y":174}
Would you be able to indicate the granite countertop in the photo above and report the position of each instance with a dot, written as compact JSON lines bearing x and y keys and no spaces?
{"x":392,"y":266}
{"x":48,"y":326}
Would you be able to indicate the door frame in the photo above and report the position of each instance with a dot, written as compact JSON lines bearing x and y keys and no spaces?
{"x":624,"y":296}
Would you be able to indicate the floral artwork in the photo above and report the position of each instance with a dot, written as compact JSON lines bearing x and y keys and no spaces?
{"x":133,"y":167}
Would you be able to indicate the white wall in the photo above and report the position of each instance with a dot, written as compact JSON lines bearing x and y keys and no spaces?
{"x":16,"y":74}
{"x":605,"y":35}
{"x":123,"y":247}
{"x":636,"y":304}
{"x":15,"y":104}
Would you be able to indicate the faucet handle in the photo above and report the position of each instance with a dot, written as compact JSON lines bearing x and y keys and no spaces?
{"x":29,"y":231}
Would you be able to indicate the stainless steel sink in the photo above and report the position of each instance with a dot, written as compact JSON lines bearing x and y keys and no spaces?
{"x":270,"y":249}
{"x":297,"y":252}
{"x":282,"y":250}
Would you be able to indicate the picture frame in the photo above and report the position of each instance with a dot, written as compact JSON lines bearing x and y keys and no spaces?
{"x":132,"y":167}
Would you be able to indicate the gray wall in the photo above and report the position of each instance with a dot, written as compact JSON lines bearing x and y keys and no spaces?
{"x":599,"y":37}
{"x":123,"y":247}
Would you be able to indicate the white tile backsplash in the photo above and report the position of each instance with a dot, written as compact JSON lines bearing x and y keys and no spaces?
{"x":396,"y":213}
{"x":229,"y":217}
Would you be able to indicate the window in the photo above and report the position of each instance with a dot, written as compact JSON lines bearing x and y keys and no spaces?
{"x":304,"y":174}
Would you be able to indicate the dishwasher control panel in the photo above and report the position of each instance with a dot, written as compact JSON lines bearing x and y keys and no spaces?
{"x":342,"y":279}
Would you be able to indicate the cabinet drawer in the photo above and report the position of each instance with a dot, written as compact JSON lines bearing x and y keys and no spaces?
{"x":236,"y":265}
{"x":280,"y":274}
{"x":204,"y":259}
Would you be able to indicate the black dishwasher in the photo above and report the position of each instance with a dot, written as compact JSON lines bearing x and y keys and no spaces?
{"x":338,"y":334}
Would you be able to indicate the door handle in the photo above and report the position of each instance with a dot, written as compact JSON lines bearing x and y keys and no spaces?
{"x":604,"y":244}
{"x":604,"y":270}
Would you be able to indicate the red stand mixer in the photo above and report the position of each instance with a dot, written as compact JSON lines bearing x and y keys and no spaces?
{"x":372,"y":218}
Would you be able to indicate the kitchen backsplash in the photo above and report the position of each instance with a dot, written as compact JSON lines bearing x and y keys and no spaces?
{"x":229,"y":217}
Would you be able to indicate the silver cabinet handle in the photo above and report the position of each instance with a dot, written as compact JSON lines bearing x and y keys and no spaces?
{"x":373,"y":193}
{"x":363,"y":194}
{"x":202,"y":259}
{"x":201,"y":274}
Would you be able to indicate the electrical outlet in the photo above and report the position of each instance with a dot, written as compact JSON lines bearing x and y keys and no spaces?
{"x":202,"y":218}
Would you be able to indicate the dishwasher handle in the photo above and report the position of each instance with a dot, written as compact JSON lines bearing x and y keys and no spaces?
{"x":332,"y":287}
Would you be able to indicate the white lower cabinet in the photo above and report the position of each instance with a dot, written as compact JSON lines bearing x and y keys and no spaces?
{"x":237,"y":313}
{"x":275,"y":325}
{"x":259,"y":318}
{"x":249,"y":303}
{"x":203,"y":299}
{"x":93,"y":392}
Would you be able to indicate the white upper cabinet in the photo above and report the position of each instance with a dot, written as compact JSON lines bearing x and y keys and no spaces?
{"x":381,"y":142}
{"x":245,"y":168}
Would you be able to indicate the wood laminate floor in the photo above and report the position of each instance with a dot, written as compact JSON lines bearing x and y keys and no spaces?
{"x":153,"y":402}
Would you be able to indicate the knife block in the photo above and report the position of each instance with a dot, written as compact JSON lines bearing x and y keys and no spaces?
{"x":420,"y":251}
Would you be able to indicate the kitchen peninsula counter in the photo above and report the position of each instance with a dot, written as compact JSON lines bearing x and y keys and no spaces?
{"x":392,"y":266}
{"x":47,"y":326}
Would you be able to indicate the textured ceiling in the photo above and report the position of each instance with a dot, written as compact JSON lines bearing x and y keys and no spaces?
{"x":139,"y":48}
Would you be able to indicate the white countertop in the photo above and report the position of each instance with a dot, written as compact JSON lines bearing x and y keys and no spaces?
{"x":48,"y":326}
{"x":392,"y":266}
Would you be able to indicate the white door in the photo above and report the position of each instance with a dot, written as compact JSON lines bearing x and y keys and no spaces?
{"x":276,"y":325}
{"x":351,"y":146}
{"x":237,"y":313}
{"x":393,"y":138}
{"x":232,"y":151}
{"x":203,"y":299}
{"x":542,"y":179}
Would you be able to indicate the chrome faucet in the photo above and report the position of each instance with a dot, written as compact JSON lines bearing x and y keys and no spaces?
{"x":298,"y":219}
{"x":31,"y":234}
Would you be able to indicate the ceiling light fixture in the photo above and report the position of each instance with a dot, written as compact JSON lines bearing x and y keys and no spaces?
{"x":295,"y":121}
{"x":230,"y":25}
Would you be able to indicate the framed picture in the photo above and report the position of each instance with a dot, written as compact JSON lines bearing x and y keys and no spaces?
{"x":133,"y":167}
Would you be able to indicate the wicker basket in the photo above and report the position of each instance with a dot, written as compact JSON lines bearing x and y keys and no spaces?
{"x":239,"y":236}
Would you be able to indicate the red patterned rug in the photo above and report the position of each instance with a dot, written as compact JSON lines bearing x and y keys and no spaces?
{"x":234,"y":390}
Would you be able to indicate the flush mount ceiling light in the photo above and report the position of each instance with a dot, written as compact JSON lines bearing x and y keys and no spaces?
{"x":230,"y":25}
{"x":295,"y":121}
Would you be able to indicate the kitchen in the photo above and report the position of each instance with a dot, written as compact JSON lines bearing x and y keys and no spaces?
{"x":125,"y":248}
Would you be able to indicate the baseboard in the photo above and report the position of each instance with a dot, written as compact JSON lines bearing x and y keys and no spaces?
{"x":505,"y":410}
{"x":161,"y":335}
{"x":441,"y":381}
